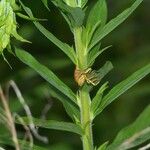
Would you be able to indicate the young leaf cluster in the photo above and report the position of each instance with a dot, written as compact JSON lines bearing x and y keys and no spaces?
{"x":8,"y":24}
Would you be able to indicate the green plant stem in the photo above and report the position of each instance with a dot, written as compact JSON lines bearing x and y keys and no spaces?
{"x":80,"y":49}
{"x":86,"y":121}
{"x":84,"y":97}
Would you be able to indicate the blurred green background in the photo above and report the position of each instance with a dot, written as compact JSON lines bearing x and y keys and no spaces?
{"x":130,"y":51}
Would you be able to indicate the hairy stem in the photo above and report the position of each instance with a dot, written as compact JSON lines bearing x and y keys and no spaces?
{"x":81,"y":51}
{"x":86,"y":121}
{"x":84,"y":97}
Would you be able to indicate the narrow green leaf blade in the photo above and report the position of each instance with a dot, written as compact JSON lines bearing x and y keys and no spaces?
{"x":69,"y":51}
{"x":105,"y":69}
{"x":97,"y":13}
{"x":94,"y":53}
{"x":83,"y":3}
{"x":97,"y":99}
{"x":71,"y":109}
{"x":111,"y":25}
{"x":135,"y":134}
{"x":55,"y":125}
{"x":103,"y":146}
{"x":124,"y":86}
{"x":45,"y":2}
{"x":44,"y":72}
{"x":75,"y":14}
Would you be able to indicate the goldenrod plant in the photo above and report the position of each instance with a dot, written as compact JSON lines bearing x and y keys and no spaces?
{"x":89,"y":26}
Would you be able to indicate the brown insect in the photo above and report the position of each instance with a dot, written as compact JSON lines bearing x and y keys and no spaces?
{"x":88,"y":75}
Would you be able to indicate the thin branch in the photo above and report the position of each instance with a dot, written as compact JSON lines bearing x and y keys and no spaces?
{"x":145,"y":147}
{"x":46,"y":109}
{"x":28,"y":112}
{"x":2,"y":148}
{"x":28,"y":133}
{"x":10,"y":120}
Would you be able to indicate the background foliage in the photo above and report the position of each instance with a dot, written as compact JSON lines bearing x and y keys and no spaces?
{"x":130,"y":52}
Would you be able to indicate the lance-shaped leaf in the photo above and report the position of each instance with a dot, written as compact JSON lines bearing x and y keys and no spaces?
{"x":84,"y":2}
{"x":94,"y":53}
{"x":123,"y":86}
{"x":55,"y":125}
{"x":96,"y":20}
{"x":135,"y":134}
{"x":44,"y":72}
{"x":71,"y":109}
{"x":69,"y":51}
{"x":45,"y":2}
{"x":111,"y":25}
{"x":97,"y":99}
{"x":105,"y":69}
{"x":97,"y":14}
{"x":75,"y":14}
{"x":103,"y":146}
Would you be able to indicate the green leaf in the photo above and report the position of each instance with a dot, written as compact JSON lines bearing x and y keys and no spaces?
{"x":26,"y":145}
{"x":55,"y":125}
{"x":69,"y":51}
{"x":94,"y":53}
{"x":71,"y":109}
{"x":44,"y":72}
{"x":96,"y":20}
{"x":135,"y":134}
{"x":111,"y":25}
{"x":97,"y":14}
{"x":29,"y":18}
{"x":78,"y":16}
{"x":83,"y":3}
{"x":103,"y":146}
{"x":45,"y":2}
{"x":97,"y":99}
{"x":105,"y":69}
{"x":75,"y":14}
{"x":123,"y":86}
